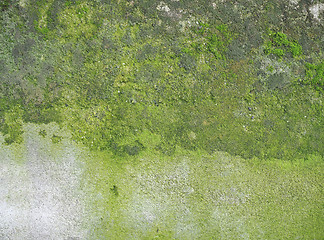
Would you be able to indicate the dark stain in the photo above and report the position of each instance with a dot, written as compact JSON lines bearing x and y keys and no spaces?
{"x":114,"y":189}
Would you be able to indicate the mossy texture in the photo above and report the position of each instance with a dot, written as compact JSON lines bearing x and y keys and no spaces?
{"x":202,"y":118}
{"x":61,"y":189}
{"x":198,"y":196}
{"x":114,"y":73}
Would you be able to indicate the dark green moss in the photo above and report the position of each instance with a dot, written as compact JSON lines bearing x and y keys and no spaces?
{"x":113,"y":73}
{"x":114,"y":190}
{"x":5,"y":4}
{"x":11,"y":124}
{"x":42,"y":133}
{"x":279,"y":44}
{"x":315,"y":75}
{"x":56,"y":138}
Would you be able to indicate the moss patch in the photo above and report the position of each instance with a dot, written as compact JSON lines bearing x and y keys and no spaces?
{"x":279,"y":45}
{"x":128,"y":77}
{"x":200,"y":196}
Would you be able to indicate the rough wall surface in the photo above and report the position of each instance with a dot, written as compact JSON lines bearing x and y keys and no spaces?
{"x":40,"y":194}
{"x":172,"y":119}
{"x":63,"y":191}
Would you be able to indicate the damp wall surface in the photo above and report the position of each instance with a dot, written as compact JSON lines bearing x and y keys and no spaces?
{"x":63,"y":191}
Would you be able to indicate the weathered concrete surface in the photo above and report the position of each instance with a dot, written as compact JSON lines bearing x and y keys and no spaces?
{"x":62,"y":191}
{"x":39,"y":190}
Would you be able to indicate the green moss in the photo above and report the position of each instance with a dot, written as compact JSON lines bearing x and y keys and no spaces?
{"x":278,"y":52}
{"x":42,"y":133}
{"x":12,"y":125}
{"x":127,"y":83}
{"x":153,"y":196}
{"x":278,"y":39}
{"x":279,"y":44}
{"x":216,"y":38}
{"x":116,"y":84}
{"x":4,"y":5}
{"x":56,"y":138}
{"x":295,"y":49}
{"x":114,"y":189}
{"x":315,"y":75}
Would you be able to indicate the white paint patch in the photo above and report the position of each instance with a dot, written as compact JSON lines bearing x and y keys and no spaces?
{"x":316,"y":10}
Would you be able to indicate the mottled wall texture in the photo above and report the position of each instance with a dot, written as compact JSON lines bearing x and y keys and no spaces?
{"x":64,"y":191}
{"x":171,"y":119}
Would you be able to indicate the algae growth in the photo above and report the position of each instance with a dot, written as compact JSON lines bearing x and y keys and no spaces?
{"x":63,"y":190}
{"x":143,"y":77}
{"x":113,"y":72}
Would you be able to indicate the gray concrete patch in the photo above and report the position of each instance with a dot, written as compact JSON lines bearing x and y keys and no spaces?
{"x":40,"y":197}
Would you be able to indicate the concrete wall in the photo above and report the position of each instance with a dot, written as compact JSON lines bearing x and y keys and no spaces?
{"x":62,"y":191}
